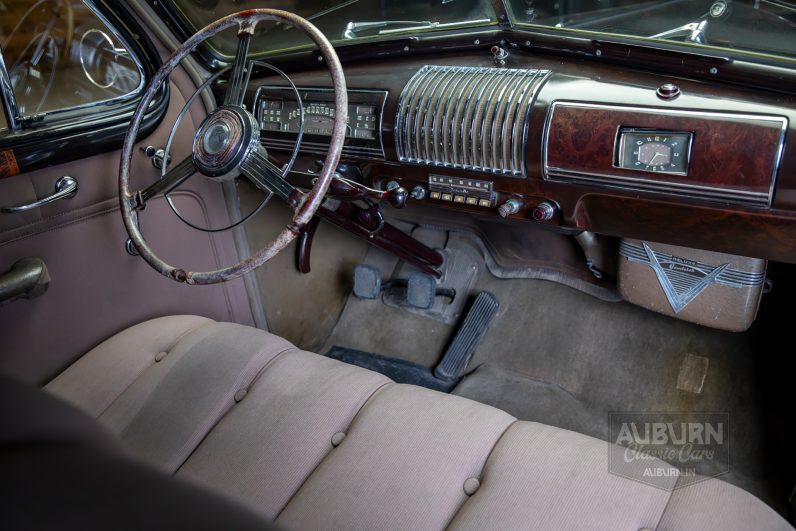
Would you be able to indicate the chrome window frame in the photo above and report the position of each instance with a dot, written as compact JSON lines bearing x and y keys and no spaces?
{"x":17,"y":121}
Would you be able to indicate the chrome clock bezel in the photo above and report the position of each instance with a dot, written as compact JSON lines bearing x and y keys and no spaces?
{"x":625,"y":134}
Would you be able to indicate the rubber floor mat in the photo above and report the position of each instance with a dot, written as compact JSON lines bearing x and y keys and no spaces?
{"x":400,"y":371}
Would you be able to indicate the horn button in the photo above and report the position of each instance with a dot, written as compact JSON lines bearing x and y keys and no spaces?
{"x":223,"y":141}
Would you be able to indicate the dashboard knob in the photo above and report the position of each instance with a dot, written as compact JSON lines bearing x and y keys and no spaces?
{"x":512,"y":206}
{"x":418,"y":193}
{"x":544,"y":211}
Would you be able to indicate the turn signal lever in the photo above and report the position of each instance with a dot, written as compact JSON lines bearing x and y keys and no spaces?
{"x":344,"y":187}
{"x":348,"y":190}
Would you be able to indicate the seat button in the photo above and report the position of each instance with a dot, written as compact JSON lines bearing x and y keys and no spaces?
{"x":239,"y":395}
{"x":471,"y":485}
{"x":159,"y":356}
{"x":337,"y":438}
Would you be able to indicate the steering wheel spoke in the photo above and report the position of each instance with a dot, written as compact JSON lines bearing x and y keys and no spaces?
{"x":239,"y":78}
{"x":268,"y":177}
{"x":174,"y":177}
{"x":227,"y":144}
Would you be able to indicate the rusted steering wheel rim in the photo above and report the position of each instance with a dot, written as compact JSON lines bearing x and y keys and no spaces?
{"x":245,"y":20}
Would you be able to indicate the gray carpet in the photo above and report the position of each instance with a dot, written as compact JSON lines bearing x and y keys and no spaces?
{"x":558,"y":356}
{"x":301,"y":308}
{"x":530,"y":399}
{"x":553,"y":354}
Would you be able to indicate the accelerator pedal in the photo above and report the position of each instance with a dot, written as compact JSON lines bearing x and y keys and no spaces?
{"x":454,"y":362}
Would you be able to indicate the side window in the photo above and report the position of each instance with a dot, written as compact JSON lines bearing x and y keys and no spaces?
{"x":61,"y":60}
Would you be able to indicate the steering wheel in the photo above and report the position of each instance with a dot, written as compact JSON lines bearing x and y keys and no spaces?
{"x":227,"y":144}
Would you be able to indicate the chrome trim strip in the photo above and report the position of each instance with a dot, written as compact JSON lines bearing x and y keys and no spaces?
{"x":447,"y":124}
{"x":509,"y":125}
{"x":402,"y":112}
{"x":683,"y":280}
{"x":499,"y":123}
{"x":459,"y":148}
{"x":417,"y":131}
{"x":411,"y":110}
{"x":680,"y":298}
{"x":520,"y":139}
{"x":429,"y":120}
{"x":468,"y":119}
{"x":463,"y":117}
{"x":729,"y":277}
{"x":693,"y":191}
{"x":488,"y":122}
{"x":478,"y":122}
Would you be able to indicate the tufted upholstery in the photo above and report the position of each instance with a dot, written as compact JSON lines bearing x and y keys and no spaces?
{"x":312,"y":443}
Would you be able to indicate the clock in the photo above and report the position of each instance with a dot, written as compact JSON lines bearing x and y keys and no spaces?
{"x":652,"y":150}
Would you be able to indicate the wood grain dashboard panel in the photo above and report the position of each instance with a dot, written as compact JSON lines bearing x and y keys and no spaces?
{"x":734,"y":157}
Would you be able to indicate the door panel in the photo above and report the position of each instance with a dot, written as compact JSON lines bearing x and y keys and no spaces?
{"x":97,"y":289}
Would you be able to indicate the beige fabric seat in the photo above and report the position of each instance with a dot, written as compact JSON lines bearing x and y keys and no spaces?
{"x":312,"y":443}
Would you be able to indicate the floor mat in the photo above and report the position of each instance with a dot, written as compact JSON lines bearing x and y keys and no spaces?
{"x":398,"y":370}
{"x":531,"y":399}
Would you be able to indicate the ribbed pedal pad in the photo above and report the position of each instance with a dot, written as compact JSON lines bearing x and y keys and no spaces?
{"x":461,"y":349}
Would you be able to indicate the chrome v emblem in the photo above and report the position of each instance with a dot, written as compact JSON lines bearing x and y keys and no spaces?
{"x":680,"y":300}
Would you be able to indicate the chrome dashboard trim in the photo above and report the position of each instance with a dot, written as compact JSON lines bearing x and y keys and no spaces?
{"x":692,"y":191}
{"x":320,"y":147}
{"x":730,"y":277}
{"x":463,"y":117}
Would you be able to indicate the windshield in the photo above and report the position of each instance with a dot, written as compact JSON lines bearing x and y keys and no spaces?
{"x":761,"y":26}
{"x":341,"y":20}
{"x":757,"y":26}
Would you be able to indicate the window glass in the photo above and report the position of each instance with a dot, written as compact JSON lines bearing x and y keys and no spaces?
{"x":759,"y":26}
{"x":60,"y":55}
{"x":340,"y":20}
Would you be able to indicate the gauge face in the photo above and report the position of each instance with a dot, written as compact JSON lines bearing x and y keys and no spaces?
{"x":656,"y":151}
{"x":285,"y":116}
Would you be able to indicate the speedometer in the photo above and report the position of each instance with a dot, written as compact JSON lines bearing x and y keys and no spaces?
{"x":285,"y":116}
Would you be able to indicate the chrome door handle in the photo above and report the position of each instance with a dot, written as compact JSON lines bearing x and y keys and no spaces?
{"x":65,"y":187}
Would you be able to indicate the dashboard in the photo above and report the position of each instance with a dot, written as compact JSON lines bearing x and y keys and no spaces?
{"x":570,"y":145}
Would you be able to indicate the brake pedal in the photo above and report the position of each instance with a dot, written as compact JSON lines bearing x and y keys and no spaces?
{"x":421,"y":291}
{"x":461,"y":350}
{"x":367,"y":282}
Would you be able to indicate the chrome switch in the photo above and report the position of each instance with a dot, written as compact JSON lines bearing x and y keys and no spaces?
{"x":418,"y":193}
{"x":544,"y":211}
{"x":512,"y":206}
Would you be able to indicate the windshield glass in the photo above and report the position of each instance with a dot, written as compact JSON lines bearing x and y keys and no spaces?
{"x":340,"y":20}
{"x":760,"y":26}
{"x":757,"y":26}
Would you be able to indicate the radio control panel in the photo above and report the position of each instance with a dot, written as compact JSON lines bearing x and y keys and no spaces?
{"x":471,"y":192}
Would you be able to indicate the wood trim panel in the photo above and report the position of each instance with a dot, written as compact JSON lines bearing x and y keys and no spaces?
{"x":733,"y":156}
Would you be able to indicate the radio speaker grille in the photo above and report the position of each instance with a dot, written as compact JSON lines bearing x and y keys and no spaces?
{"x":467,"y":117}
